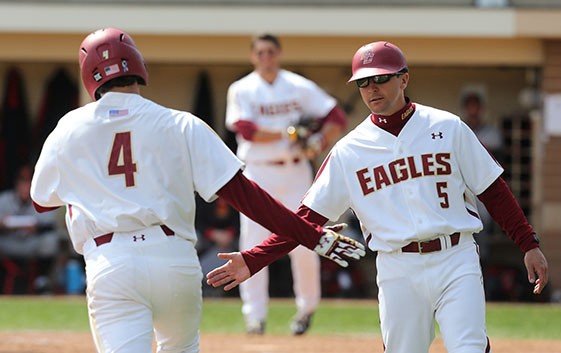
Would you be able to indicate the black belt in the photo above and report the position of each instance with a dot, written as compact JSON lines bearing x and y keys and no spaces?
{"x":106,"y":238}
{"x":283,"y":162}
{"x":430,"y":245}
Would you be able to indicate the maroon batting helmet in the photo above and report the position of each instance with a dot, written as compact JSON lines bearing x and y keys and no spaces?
{"x":377,"y":58}
{"x":107,"y":54}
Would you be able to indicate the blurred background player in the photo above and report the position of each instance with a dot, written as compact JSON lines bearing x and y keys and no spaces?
{"x":266,"y":110}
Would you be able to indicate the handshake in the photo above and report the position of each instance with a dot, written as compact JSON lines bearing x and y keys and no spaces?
{"x":337,"y":247}
{"x":331,"y":245}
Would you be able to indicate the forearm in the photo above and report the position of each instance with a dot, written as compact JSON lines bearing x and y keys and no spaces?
{"x":248,"y":198}
{"x":276,"y":246}
{"x":252,"y":132}
{"x":505,"y":210}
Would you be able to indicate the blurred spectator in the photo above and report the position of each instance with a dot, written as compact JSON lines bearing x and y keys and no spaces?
{"x":474,"y":115}
{"x":491,"y":137}
{"x":28,"y":240}
{"x":218,"y":228}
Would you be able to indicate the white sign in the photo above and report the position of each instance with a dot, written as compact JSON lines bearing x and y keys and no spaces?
{"x":552,"y":114}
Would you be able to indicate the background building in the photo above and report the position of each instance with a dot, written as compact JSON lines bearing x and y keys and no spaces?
{"x":508,"y":51}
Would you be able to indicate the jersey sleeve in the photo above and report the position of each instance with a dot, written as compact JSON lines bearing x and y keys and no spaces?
{"x":317,"y":103}
{"x":478,"y":167}
{"x":212,"y":162}
{"x":46,"y":176}
{"x":237,"y":107}
{"x":328,"y":195}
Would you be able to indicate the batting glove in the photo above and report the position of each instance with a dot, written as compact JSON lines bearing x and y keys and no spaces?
{"x":339,"y":248}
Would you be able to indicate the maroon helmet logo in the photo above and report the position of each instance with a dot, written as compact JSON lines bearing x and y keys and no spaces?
{"x":367,"y":57}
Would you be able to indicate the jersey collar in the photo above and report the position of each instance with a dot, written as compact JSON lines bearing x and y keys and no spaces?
{"x":395,"y":122}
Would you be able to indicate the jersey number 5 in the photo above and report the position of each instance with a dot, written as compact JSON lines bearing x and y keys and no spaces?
{"x":120,"y":160}
{"x":441,"y":187}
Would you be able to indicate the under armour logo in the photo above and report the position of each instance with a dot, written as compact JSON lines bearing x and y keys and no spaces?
{"x":135,"y":238}
{"x":383,"y":120}
{"x":435,"y":135}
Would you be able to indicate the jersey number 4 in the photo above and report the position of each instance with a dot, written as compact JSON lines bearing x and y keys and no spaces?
{"x":120,"y":160}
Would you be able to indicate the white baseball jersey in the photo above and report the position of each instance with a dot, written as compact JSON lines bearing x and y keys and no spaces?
{"x":414,"y":186}
{"x":125,"y":163}
{"x":274,"y":107}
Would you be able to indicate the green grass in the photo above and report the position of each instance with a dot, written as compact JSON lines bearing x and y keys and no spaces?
{"x":514,"y":321}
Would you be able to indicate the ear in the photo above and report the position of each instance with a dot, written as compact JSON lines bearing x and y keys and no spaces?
{"x":404,"y":80}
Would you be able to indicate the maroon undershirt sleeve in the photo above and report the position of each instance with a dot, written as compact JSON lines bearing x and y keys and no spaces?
{"x":276,"y":246}
{"x":336,"y":116}
{"x":505,"y":210}
{"x":246,"y":128}
{"x":42,"y":209}
{"x":248,"y":198}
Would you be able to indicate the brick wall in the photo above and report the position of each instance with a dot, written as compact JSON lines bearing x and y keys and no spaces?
{"x":551,"y":170}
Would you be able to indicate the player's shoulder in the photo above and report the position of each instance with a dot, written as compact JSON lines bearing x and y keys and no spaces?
{"x":294,"y":78}
{"x":436,"y":115}
{"x":245,"y":81}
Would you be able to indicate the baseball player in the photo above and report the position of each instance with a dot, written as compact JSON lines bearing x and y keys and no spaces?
{"x":265,"y":109}
{"x":127,"y":170}
{"x":411,"y":174}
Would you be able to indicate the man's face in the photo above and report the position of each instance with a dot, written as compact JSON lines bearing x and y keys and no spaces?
{"x":23,"y":187}
{"x":385,"y":98}
{"x":265,"y":56}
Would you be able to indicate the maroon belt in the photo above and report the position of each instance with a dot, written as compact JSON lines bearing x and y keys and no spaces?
{"x":106,"y":238}
{"x":429,"y":246}
{"x":282,"y":162}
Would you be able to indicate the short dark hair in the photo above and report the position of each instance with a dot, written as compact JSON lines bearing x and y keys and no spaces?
{"x":266,"y":37}
{"x":122,"y":81}
{"x":472,"y":97}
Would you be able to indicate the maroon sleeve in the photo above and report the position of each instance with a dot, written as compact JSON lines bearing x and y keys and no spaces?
{"x":336,"y":116}
{"x":505,"y":210}
{"x":42,"y":209}
{"x":276,"y":246}
{"x":248,"y":198}
{"x":246,"y":128}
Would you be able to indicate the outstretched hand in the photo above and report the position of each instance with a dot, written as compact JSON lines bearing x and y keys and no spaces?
{"x":536,"y":264}
{"x":229,"y":275}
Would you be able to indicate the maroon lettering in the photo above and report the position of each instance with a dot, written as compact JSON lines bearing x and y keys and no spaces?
{"x":427,"y":160}
{"x":413,"y":168}
{"x":364,"y":180}
{"x":443,"y":160}
{"x":381,"y":177}
{"x":398,"y":170}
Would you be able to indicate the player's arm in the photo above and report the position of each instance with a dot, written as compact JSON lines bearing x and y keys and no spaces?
{"x":505,"y":210}
{"x":248,"y":198}
{"x":332,"y":125}
{"x":315,"y":140}
{"x":252,"y":132}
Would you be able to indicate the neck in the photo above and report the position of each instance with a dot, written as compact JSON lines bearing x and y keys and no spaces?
{"x":268,"y":76}
{"x":395,"y":122}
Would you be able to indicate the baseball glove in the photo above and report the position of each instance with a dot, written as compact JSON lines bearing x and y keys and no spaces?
{"x":306,"y":134}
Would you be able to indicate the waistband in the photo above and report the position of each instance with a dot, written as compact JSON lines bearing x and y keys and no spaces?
{"x":278,"y":162}
{"x":437,"y":244}
{"x":144,"y":236}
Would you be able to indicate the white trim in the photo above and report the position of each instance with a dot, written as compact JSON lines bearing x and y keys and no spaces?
{"x":243,"y":20}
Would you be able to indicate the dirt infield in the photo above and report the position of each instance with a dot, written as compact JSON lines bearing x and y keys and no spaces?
{"x":68,"y":342}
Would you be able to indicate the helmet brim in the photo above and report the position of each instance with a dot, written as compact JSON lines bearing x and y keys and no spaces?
{"x":369,"y":71}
